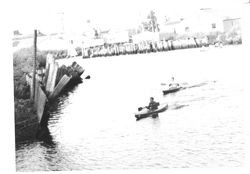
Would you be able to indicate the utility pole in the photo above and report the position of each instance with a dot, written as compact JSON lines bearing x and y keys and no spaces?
{"x":61,"y":16}
{"x":34,"y":68}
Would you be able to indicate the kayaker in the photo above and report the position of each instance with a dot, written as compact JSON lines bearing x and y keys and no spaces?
{"x":173,"y":84}
{"x":152,"y":104}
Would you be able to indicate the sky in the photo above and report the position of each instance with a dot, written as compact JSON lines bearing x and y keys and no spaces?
{"x":45,"y":15}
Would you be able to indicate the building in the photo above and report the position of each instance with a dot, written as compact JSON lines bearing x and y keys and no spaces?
{"x":231,"y":24}
{"x":205,"y":21}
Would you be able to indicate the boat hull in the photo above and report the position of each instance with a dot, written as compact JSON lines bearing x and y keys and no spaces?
{"x":168,"y":91}
{"x":147,"y":113}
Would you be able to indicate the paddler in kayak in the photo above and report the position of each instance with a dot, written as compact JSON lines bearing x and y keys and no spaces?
{"x":151,"y":110}
{"x":173,"y":84}
{"x":153,"y":106}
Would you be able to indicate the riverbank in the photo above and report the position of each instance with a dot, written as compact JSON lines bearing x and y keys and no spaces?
{"x":25,"y":116}
{"x":50,"y":82}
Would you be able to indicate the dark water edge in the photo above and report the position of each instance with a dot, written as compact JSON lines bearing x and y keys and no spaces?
{"x":35,"y":131}
{"x":26,"y":134}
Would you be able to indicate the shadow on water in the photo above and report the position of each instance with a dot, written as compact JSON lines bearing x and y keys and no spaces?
{"x":53,"y":106}
{"x":44,"y":135}
{"x":154,"y":116}
{"x":156,"y":121}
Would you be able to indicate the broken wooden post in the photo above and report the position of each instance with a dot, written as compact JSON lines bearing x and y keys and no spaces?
{"x":40,"y":103}
{"x":53,"y":79}
{"x":50,"y":73}
{"x":49,"y":59}
{"x":59,"y":87}
{"x":53,"y":67}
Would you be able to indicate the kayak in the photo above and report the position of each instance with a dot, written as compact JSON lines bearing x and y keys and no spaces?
{"x":147,"y":113}
{"x":184,"y":86}
{"x":171,"y":90}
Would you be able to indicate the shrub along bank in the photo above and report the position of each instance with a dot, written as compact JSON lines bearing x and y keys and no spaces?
{"x":23,"y":60}
{"x":26,"y":121}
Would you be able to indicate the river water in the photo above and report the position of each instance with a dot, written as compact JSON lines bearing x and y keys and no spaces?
{"x":93,"y":126}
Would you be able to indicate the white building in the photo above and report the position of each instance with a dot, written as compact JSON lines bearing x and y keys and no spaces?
{"x":200,"y":21}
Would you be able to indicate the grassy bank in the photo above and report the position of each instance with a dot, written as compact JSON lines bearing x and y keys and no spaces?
{"x":23,"y":64}
{"x":26,"y":121}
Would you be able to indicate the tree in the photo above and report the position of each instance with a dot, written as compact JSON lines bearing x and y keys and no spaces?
{"x":151,"y":23}
{"x":166,"y":19}
{"x":96,"y":33}
{"x":17,"y":32}
{"x":146,"y":26}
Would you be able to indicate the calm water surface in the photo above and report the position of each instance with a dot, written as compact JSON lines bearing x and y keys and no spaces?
{"x":93,"y":126}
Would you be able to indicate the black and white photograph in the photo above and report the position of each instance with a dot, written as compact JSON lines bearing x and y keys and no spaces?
{"x":130,"y":86}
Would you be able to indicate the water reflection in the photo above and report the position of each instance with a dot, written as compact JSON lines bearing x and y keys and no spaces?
{"x":53,"y":108}
{"x":44,"y":135}
{"x":156,"y":123}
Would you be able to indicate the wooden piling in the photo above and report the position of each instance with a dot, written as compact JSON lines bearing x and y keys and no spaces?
{"x":53,"y":68}
{"x":49,"y":59}
{"x":55,"y":80}
{"x":54,"y":75}
{"x":59,"y":87}
{"x":41,"y":101}
{"x":40,"y":98}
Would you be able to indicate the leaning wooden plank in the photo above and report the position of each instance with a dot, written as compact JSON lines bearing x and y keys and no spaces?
{"x":50,"y":74}
{"x":60,"y":73}
{"x":52,"y":77}
{"x":49,"y":59}
{"x":41,"y":101}
{"x":46,"y":74}
{"x":53,"y":80}
{"x":59,"y":87}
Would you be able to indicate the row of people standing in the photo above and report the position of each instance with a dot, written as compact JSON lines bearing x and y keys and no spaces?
{"x":142,"y":47}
